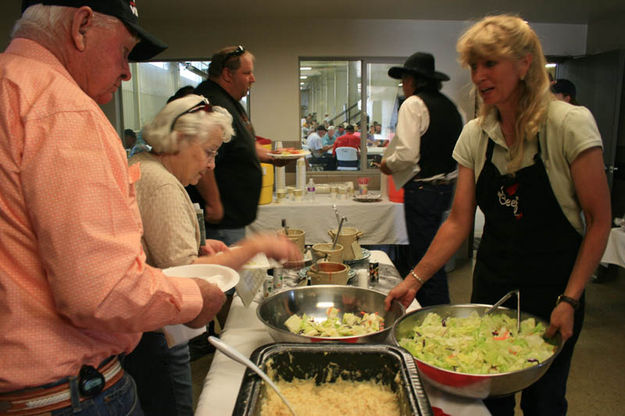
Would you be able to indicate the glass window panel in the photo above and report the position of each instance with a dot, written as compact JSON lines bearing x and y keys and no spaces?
{"x":330,"y":94}
{"x":153,"y":83}
{"x":383,"y":99}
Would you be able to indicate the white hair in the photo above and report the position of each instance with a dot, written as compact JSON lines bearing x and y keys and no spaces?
{"x":47,"y":23}
{"x":198,"y":125}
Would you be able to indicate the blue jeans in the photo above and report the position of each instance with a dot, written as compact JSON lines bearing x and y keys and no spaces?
{"x":118,"y":400}
{"x":228,"y":236}
{"x":424,"y":206}
{"x":163,"y":376}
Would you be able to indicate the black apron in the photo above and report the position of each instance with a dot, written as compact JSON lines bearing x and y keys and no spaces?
{"x":527,"y":243}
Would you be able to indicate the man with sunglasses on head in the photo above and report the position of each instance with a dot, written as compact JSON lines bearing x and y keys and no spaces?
{"x":76,"y":292}
{"x":237,"y":176}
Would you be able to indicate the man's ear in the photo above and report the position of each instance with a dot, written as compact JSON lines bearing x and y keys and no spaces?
{"x":82,"y":21}
{"x":226,"y":75}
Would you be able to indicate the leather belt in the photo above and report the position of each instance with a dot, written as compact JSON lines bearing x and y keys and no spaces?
{"x":40,"y":400}
{"x":435,"y":181}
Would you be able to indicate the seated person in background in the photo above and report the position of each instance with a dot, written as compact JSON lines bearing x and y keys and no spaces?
{"x":370,"y":136}
{"x":340,"y":130}
{"x":564,"y":90}
{"x":319,"y":151}
{"x":139,"y":146}
{"x":130,"y":138}
{"x":315,"y":142}
{"x":348,"y":139}
{"x":330,"y":137}
{"x":185,"y":137}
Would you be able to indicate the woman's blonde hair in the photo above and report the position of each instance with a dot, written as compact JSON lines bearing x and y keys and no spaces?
{"x":510,"y":37}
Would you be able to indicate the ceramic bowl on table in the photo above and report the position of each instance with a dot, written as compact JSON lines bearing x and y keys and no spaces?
{"x":297,"y":236}
{"x":348,"y":238}
{"x":477,"y":386}
{"x":329,"y":273}
{"x":314,"y":301}
{"x":325,"y":252}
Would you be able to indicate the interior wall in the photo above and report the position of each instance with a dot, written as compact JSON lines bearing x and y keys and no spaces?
{"x":278,"y":45}
{"x":606,"y":34}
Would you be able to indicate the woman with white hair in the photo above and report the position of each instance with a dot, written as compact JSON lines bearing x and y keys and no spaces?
{"x":185,"y":137}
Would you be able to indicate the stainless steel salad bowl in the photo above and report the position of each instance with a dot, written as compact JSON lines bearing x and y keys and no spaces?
{"x":315,"y":300}
{"x":477,"y":386}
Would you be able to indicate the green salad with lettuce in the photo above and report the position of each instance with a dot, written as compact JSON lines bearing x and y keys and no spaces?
{"x":477,"y":344}
{"x":334,"y":326}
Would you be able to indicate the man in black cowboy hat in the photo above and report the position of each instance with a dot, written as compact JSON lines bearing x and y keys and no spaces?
{"x":420,"y":159}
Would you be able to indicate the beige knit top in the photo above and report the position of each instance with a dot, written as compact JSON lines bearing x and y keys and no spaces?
{"x":171,"y":234}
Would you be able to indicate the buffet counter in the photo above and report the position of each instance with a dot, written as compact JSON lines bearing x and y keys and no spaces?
{"x":381,"y":222}
{"x":245,"y":332}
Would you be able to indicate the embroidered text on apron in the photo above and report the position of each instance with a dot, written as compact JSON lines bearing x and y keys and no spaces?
{"x":527,"y":243}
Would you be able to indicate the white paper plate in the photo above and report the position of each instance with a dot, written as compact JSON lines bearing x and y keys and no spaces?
{"x":303,"y":153}
{"x":224,"y":277}
{"x":368,"y":198}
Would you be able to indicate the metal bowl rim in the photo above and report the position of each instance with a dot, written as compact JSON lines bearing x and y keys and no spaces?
{"x":489,"y":375}
{"x":303,"y":288}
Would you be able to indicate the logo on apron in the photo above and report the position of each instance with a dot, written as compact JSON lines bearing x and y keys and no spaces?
{"x":508,"y":198}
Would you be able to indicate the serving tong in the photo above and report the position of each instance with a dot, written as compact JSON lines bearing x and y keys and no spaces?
{"x":338,"y":232}
{"x":336,"y":213}
{"x":516,"y":292}
{"x":230,"y":352}
{"x":286,"y":229}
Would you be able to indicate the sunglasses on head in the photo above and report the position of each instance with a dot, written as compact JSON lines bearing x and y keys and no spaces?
{"x":201,"y":106}
{"x":239,"y":50}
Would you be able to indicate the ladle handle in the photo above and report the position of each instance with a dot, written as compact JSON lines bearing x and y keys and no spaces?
{"x":518,"y":306}
{"x":286,"y":229}
{"x":336,"y":213}
{"x":240,"y":358}
{"x":338,"y":232}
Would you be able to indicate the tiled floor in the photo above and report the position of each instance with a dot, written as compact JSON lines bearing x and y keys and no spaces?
{"x":597,"y":379}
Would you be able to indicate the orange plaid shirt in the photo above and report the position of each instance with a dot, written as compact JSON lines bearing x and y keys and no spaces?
{"x":74,"y":285}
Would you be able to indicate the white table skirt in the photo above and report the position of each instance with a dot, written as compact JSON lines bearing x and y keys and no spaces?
{"x":245,"y":332}
{"x":381,"y":222}
{"x":615,"y":250}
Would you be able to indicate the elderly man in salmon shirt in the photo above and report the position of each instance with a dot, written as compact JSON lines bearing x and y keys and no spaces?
{"x":75,"y":288}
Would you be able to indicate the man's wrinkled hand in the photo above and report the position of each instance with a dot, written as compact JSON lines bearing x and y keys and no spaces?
{"x":213,"y":247}
{"x":213,"y":299}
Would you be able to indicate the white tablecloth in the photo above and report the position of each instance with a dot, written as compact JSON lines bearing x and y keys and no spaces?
{"x":381,"y":222}
{"x":374,"y":150}
{"x":245,"y":332}
{"x":615,"y":250}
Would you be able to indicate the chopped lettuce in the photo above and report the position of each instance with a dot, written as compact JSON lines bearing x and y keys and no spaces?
{"x":488,"y":344}
{"x":335,"y":326}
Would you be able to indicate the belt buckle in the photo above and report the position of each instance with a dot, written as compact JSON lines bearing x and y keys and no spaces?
{"x":90,"y":381}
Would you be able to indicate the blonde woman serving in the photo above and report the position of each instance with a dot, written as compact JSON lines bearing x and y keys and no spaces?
{"x":533,"y":165}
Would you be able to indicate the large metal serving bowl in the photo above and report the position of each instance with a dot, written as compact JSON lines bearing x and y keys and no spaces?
{"x":315,"y":300}
{"x":472,"y":385}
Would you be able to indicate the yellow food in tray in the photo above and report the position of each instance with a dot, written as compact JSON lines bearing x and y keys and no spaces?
{"x":341,"y":398}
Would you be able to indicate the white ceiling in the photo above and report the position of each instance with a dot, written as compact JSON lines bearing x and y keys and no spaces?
{"x":554,"y":11}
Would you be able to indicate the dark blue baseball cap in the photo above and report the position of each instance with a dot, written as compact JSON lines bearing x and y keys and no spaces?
{"x":124,"y":10}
